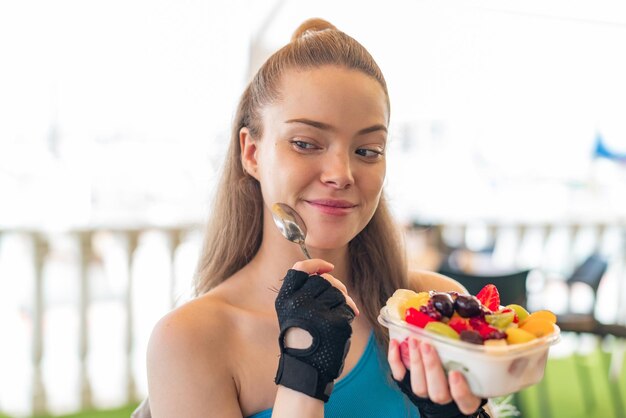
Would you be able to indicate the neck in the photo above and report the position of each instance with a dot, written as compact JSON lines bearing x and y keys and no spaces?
{"x":277,"y":255}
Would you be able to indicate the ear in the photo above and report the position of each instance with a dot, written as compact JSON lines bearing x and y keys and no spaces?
{"x":249,"y":150}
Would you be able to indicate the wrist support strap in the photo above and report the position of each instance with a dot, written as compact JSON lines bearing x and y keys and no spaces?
{"x":313,"y":304}
{"x":430,"y":409}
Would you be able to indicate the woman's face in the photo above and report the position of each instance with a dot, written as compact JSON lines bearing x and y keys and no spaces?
{"x":322,"y":151}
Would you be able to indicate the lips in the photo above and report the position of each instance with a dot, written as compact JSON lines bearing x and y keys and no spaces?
{"x":332,"y":207}
{"x":343,"y":204}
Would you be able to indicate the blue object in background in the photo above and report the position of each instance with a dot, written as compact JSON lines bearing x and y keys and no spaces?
{"x":602,"y":151}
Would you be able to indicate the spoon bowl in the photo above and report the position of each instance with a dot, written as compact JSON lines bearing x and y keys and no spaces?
{"x":290,"y":224}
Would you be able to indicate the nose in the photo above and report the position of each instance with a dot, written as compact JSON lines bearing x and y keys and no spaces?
{"x":337,"y":171}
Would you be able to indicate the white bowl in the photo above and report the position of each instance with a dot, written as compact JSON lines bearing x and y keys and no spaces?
{"x":491,"y":371}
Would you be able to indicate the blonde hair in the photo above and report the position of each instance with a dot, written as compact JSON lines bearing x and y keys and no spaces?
{"x":235,"y":228}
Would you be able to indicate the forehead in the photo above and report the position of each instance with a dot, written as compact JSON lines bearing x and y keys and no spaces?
{"x":330,"y":94}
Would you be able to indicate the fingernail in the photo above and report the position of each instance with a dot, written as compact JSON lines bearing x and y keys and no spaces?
{"x":426,"y":348}
{"x":413,"y":343}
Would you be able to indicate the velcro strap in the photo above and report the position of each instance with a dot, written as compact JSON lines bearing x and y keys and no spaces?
{"x":301,"y":377}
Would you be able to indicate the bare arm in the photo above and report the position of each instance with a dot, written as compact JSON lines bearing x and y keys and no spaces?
{"x":288,"y":401}
{"x":188,"y":372}
{"x":422,"y":280}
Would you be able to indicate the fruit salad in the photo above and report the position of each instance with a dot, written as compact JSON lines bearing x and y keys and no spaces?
{"x":476,"y":319}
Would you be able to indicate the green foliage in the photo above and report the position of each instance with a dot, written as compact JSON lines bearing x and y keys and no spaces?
{"x":113,"y":413}
{"x":564,"y":391}
{"x":123,"y":412}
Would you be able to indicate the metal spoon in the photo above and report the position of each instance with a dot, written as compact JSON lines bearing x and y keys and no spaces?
{"x":290,"y":224}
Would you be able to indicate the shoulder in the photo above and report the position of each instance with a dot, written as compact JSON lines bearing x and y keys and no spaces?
{"x":194,"y":325}
{"x":187,"y":359}
{"x":423,"y":280}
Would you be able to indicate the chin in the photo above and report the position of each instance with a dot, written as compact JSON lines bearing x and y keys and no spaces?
{"x":328,"y":242}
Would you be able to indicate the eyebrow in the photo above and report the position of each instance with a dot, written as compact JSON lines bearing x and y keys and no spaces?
{"x":327,"y":127}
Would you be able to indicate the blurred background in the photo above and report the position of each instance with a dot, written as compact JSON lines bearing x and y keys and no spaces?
{"x":507,"y":154}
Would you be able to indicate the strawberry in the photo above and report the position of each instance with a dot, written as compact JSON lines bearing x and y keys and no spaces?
{"x":489,"y":297}
{"x":477,"y":322}
{"x":459,"y":324}
{"x":486,"y":330}
{"x":417,"y":318}
{"x":481,"y":326}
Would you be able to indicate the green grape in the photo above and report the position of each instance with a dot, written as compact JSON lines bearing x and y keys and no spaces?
{"x":442,"y":329}
{"x":519,"y":311}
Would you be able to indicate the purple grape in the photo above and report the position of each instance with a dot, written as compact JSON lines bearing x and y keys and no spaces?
{"x":467,"y":306}
{"x":471,"y":336}
{"x":443,"y":303}
{"x":495,"y":335}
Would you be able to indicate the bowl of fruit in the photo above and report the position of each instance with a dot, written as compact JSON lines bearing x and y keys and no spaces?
{"x":499,"y":349}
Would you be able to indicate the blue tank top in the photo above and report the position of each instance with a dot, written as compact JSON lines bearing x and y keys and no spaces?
{"x":366,"y":392}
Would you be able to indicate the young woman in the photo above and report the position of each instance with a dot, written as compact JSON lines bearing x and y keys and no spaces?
{"x":268,"y":333}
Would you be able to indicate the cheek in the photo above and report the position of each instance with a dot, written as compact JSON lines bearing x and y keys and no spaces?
{"x":269,"y":171}
{"x":276,"y":163}
{"x":277,"y":184}
{"x":373,"y":186}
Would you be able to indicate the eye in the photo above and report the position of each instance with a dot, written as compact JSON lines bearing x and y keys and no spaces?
{"x":303,"y":145}
{"x":370,"y":154}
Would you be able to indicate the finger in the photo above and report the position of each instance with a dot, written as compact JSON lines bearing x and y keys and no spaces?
{"x":404,"y":353}
{"x":315,"y":285}
{"x":436,"y":380}
{"x":319,"y":288}
{"x":340,"y":286}
{"x":418,"y":376}
{"x":313,"y":266}
{"x":395,"y":362}
{"x":331,"y":297}
{"x":350,"y":302}
{"x":335,"y":282}
{"x":467,"y":402}
{"x":294,"y":280}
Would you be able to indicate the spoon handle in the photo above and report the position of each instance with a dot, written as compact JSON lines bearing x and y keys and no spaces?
{"x":304,"y":250}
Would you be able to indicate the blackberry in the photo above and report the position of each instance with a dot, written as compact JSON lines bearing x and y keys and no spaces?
{"x":431,"y":311}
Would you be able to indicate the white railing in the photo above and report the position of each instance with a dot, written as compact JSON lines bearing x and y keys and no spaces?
{"x":523,"y":245}
{"x":41,"y":247}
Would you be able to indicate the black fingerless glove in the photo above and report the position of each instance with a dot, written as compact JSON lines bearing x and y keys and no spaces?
{"x":430,"y":409}
{"x":313,"y":304}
